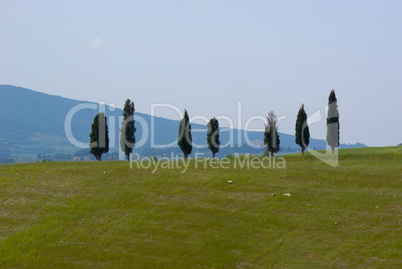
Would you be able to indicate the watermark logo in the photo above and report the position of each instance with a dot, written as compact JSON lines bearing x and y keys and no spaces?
{"x":238,"y":161}
{"x":239,"y":134}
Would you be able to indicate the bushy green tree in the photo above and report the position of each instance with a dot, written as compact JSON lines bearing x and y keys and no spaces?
{"x":271,"y":135}
{"x":99,"y":142}
{"x":213,"y":136}
{"x":185,"y":140}
{"x":302,"y":135}
{"x":333,"y":122}
{"x":127,"y":137}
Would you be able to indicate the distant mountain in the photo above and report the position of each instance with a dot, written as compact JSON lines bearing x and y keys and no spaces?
{"x":33,"y":124}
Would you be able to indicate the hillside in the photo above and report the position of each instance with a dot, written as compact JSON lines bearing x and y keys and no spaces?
{"x":32,"y":123}
{"x":104,"y":214}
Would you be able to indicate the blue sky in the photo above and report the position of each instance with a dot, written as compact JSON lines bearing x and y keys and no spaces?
{"x":206,"y":56}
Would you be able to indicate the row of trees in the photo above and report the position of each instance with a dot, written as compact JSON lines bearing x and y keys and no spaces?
{"x":99,"y":142}
{"x":302,"y":132}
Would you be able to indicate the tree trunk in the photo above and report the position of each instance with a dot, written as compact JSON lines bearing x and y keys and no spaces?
{"x":302,"y":151}
{"x":333,"y":149}
{"x":213,"y":155}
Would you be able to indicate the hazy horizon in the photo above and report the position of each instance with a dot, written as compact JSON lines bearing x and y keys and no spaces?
{"x":206,"y":56}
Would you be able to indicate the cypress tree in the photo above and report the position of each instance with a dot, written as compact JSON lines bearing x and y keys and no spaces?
{"x":213,"y":136}
{"x":99,"y":142}
{"x":302,"y":135}
{"x":271,"y":136}
{"x":185,"y":140}
{"x":333,"y":122}
{"x":127,"y":138}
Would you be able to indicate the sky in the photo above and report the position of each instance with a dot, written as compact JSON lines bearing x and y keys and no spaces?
{"x":239,"y":59}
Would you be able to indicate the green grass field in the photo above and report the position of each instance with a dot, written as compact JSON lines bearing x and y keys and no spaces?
{"x":104,"y":214}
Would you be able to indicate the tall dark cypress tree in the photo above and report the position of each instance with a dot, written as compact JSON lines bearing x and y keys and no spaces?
{"x":271,"y":136}
{"x":99,"y":142}
{"x":127,"y":137}
{"x":333,"y":122}
{"x":185,"y":140}
{"x":213,"y":136}
{"x":302,"y":135}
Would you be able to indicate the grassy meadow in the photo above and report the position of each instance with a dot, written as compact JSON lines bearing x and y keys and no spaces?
{"x":104,"y":214}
